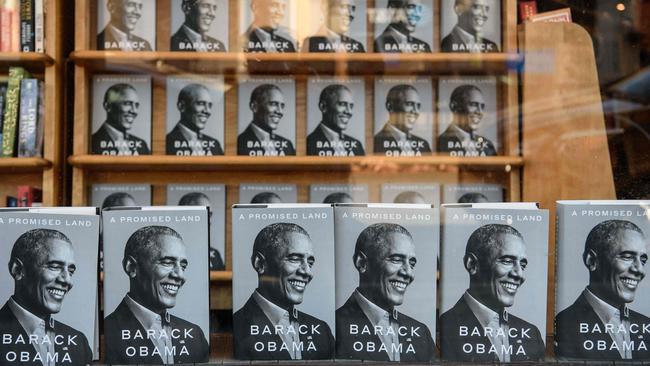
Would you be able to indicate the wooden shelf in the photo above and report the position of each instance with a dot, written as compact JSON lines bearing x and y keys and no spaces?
{"x":165,"y":62}
{"x":24,"y":164}
{"x":290,"y":163}
{"x":30,"y":60}
{"x":220,"y":276}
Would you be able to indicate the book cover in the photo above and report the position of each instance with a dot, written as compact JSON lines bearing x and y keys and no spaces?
{"x":3,"y":102}
{"x":470,"y":27}
{"x":468,"y":116}
{"x":11,"y":201}
{"x":214,"y":197}
{"x":403,"y":26}
{"x":267,"y":117}
{"x":268,"y":26}
{"x":283,"y":268}
{"x":493,"y":282}
{"x":120,"y":195}
{"x":199,"y":26}
{"x":29,"y":196}
{"x":403,"y":116}
{"x":268,"y":193}
{"x":385,"y":282}
{"x":12,"y":7}
{"x":28,"y":118}
{"x":334,"y":26}
{"x":338,"y":193}
{"x":195,"y":116}
{"x":336,"y":118}
{"x":27,"y":24}
{"x":428,"y":193}
{"x":156,"y":285}
{"x":39,"y":26}
{"x":126,"y":25}
{"x":602,"y":301}
{"x":11,"y":112}
{"x":51,"y":274}
{"x":121,"y":115}
{"x":472,"y":193}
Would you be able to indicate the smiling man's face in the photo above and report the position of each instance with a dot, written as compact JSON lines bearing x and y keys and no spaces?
{"x":341,"y":15}
{"x":289,"y":270}
{"x":391,"y":270}
{"x":161,"y":274}
{"x":198,"y":109}
{"x":50,"y":278}
{"x":269,"y":13}
{"x":338,"y":111}
{"x":407,"y":110}
{"x":472,"y":15}
{"x":122,"y":111}
{"x":202,"y":14}
{"x":623,"y":269}
{"x":270,"y":110}
{"x":126,"y":13}
{"x":501,"y":275}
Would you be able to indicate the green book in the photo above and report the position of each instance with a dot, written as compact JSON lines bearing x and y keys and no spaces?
{"x":12,"y":100}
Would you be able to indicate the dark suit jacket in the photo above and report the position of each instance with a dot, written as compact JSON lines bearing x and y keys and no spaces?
{"x":451,"y":344}
{"x":251,"y":37}
{"x":569,"y":341}
{"x":211,"y":146}
{"x":351,"y":313}
{"x":387,"y":43}
{"x":486,"y":147}
{"x":180,"y":38}
{"x":140,"y":146}
{"x":248,"y":135}
{"x":346,"y":44}
{"x":80,"y":354}
{"x":385,"y":135}
{"x":452,"y":39}
{"x":123,"y":318}
{"x":106,"y":36}
{"x":355,"y":149}
{"x":251,"y":313}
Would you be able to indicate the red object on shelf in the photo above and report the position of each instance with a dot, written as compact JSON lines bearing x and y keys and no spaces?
{"x":527,"y":9}
{"x":28,"y":195}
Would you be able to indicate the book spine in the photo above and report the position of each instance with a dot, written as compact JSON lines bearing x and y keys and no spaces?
{"x":28,"y":118}
{"x":14,"y":9}
{"x":25,"y":198}
{"x":5,"y":27}
{"x":12,"y":201}
{"x":3,"y":96}
{"x":16,"y":74}
{"x":27,"y":25}
{"x":40,"y":120}
{"x":527,"y":9}
{"x":39,"y":26}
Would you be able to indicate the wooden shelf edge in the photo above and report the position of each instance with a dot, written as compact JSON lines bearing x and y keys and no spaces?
{"x":26,"y":57}
{"x":221,"y":276}
{"x":24,"y":164}
{"x":215,"y":163}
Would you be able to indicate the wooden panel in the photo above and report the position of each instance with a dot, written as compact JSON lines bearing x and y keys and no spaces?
{"x":565,"y":147}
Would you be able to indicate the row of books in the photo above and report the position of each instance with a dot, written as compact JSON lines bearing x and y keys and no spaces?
{"x":22,"y":26}
{"x":26,"y":196}
{"x":335,"y":110}
{"x":345,"y":281}
{"x":21,"y":115}
{"x":214,"y":196}
{"x":305,"y":26}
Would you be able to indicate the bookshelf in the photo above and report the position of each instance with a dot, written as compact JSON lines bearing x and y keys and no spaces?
{"x":45,"y":172}
{"x":231,"y":170}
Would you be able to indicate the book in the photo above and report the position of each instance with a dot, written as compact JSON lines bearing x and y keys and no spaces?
{"x":268,"y":193}
{"x":472,"y":193}
{"x":493,"y":282}
{"x":5,"y":27}
{"x":121,"y":115}
{"x":470,"y":28}
{"x":29,"y":196}
{"x":195,"y":116}
{"x":28,"y":119}
{"x":156,"y":268}
{"x":11,"y":201}
{"x":336,"y":118}
{"x":283,"y":264}
{"x":334,"y":27}
{"x":555,"y":16}
{"x":52,"y":265}
{"x":403,"y":107}
{"x":385,"y":282}
{"x":128,"y":26}
{"x":270,"y":28}
{"x":27,"y":25}
{"x":3,"y":100}
{"x":338,"y":193}
{"x":468,"y":117}
{"x":10,"y":22}
{"x":411,"y":193}
{"x":120,"y":195}
{"x":601,"y":252}
{"x":214,"y":197}
{"x":39,"y":26}
{"x":11,"y":112}
{"x":199,"y":26}
{"x":267,"y":107}
{"x":527,"y":9}
{"x":403,"y":27}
